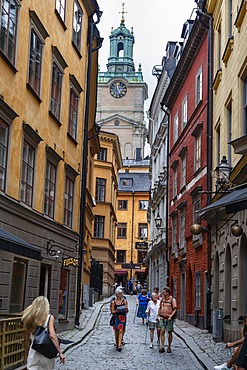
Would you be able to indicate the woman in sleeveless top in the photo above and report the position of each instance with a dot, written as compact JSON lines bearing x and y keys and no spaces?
{"x":37,"y":314}
{"x":119,"y":308}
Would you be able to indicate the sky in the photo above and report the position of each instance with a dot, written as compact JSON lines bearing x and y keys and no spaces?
{"x":154,"y":23}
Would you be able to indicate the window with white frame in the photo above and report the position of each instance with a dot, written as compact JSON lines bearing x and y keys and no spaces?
{"x":100,"y":189}
{"x":198,"y":150}
{"x":142,"y":231}
{"x":175,"y":182}
{"x":77,"y":25}
{"x":229,"y":18}
{"x":122,"y":230}
{"x":143,"y":205}
{"x":182,"y":229}
{"x":58,"y":66}
{"x":68,"y":201}
{"x":50,"y":188}
{"x":8,"y":31}
{"x":27,"y":173}
{"x":60,"y":8}
{"x":185,"y":111}
{"x":175,"y":128}
{"x":198,"y":97}
{"x":174,"y":235}
{"x":198,"y":289}
{"x":219,"y":46}
{"x":183,"y":171}
{"x":120,"y":256}
{"x":218,"y":142}
{"x":123,"y":205}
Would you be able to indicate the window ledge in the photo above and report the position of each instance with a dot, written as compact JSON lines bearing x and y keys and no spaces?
{"x":174,"y":256}
{"x":217,"y":79}
{"x":72,"y":139}
{"x":228,"y":50}
{"x":60,"y":20}
{"x":55,"y":118}
{"x":241,"y":14}
{"x":182,"y":251}
{"x":29,"y":87}
{"x":197,"y":241}
{"x":7,"y":61}
{"x":76,"y":49}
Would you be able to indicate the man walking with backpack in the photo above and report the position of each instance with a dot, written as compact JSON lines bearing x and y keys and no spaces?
{"x":167,"y":313}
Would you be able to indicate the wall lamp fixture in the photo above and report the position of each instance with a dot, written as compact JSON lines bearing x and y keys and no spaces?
{"x":53,"y":248}
{"x":236,"y":229}
{"x":158,"y":221}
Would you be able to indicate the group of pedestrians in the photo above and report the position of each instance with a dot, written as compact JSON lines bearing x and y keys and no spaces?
{"x":158,"y":311}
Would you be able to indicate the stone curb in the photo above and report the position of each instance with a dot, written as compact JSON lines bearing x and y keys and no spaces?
{"x":202,"y":357}
{"x":80,"y":335}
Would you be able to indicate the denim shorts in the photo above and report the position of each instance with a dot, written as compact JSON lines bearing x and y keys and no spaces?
{"x":166,"y":324}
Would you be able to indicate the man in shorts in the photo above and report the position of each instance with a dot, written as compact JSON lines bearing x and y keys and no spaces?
{"x":167,"y":312}
{"x":152,"y":313}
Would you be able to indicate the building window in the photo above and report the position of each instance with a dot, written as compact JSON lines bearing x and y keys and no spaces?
{"x":122,"y":230}
{"x":8,"y":31}
{"x":219,"y":47}
{"x":27,"y":174}
{"x":120,"y":256}
{"x":35,"y":61}
{"x":198,"y":290}
{"x":100,"y":189}
{"x":63,"y":295}
{"x":102,"y":155}
{"x":185,"y":112}
{"x":18,"y":285}
{"x":175,"y":182}
{"x":141,"y":257}
{"x":68,"y":201}
{"x":199,"y":86}
{"x":142,"y":231}
{"x":123,"y":205}
{"x":99,"y":222}
{"x":56,"y":90}
{"x":126,"y":182}
{"x":61,"y":7}
{"x":196,"y":208}
{"x":4,"y":133}
{"x":174,"y":235}
{"x":176,"y":127}
{"x":50,"y":186}
{"x":73,"y":112}
{"x":230,"y":18}
{"x":218,"y":140}
{"x":183,"y":172}
{"x":182,"y":230}
{"x":245,"y":105}
{"x":77,"y":24}
{"x":198,"y":149}
{"x":229,"y":132}
{"x":143,"y":205}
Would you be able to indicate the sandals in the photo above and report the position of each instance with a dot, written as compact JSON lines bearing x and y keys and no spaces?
{"x":168,"y":350}
{"x":119,"y":349}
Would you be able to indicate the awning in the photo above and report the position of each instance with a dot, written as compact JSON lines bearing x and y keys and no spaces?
{"x":121,"y":272}
{"x":233,"y":202}
{"x":13,"y":244}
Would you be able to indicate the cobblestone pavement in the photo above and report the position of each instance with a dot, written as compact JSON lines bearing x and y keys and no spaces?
{"x":192,"y":348}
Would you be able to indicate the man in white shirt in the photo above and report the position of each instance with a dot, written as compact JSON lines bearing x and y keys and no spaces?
{"x":152,"y":312}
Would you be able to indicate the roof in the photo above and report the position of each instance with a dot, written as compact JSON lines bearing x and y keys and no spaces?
{"x":139,"y":181}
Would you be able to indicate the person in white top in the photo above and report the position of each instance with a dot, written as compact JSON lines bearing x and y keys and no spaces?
{"x":152,"y":313}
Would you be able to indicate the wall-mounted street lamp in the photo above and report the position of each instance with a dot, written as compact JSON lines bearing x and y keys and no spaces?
{"x":236,"y":230}
{"x":158,"y":221}
{"x":223,"y":171}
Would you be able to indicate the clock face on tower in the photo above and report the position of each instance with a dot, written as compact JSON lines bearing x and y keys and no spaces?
{"x":118,"y":89}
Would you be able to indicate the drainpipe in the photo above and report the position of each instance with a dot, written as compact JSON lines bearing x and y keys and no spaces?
{"x":209,"y":151}
{"x":91,"y":27}
{"x":167,"y":191}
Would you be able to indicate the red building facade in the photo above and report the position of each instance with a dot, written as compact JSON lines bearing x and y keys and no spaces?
{"x":186,"y":98}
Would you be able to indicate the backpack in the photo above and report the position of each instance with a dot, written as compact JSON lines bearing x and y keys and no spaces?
{"x":171,"y":300}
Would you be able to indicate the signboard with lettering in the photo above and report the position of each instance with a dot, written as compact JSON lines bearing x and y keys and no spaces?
{"x":133,"y":266}
{"x":70,"y":261}
{"x":141,"y":245}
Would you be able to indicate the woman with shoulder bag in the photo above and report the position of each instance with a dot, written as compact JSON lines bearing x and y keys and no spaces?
{"x":34,"y":316}
{"x":119,"y":308}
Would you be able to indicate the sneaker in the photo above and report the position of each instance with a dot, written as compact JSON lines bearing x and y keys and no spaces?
{"x":151,"y":345}
{"x":222,"y":367}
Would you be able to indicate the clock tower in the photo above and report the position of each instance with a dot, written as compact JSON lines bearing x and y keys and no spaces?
{"x":121,"y":95}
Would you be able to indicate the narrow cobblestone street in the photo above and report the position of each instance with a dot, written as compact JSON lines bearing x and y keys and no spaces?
{"x":97,"y":350}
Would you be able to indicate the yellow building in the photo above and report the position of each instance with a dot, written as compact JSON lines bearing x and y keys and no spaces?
{"x":133,"y":227}
{"x":44,"y":60}
{"x":106,"y":166}
{"x":227,"y":214}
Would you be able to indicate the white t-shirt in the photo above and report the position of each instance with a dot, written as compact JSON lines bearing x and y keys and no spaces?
{"x":153,"y":309}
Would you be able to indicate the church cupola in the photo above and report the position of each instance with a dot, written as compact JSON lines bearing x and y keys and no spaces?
{"x":121,"y":49}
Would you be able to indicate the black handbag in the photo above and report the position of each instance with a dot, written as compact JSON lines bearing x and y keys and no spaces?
{"x":42,"y":342}
{"x":112,"y":320}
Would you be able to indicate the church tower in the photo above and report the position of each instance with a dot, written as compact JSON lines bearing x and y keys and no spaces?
{"x":121,"y":95}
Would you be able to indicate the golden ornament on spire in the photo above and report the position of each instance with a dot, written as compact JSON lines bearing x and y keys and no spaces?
{"x":123,"y":12}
